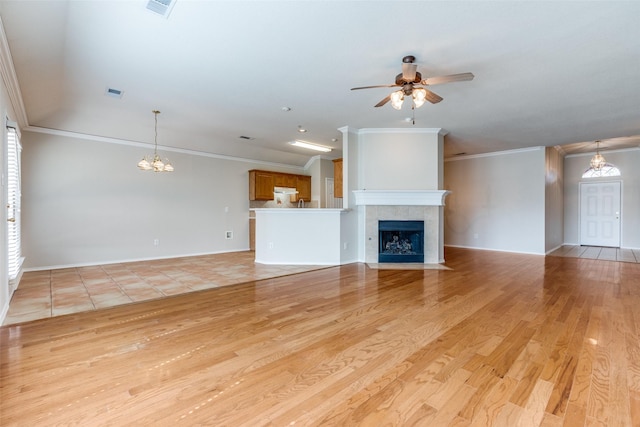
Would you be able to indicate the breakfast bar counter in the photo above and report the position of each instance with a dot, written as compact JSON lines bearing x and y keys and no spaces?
{"x":304,"y":236}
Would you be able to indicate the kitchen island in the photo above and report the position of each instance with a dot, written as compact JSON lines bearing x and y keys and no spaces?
{"x":303,"y":236}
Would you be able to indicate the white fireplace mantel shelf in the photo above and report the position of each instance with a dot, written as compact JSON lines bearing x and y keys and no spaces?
{"x":400,"y":197}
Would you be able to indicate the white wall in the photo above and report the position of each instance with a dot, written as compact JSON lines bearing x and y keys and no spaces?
{"x":352,"y":222}
{"x":497,"y":201}
{"x":627,"y":161}
{"x":400,"y":159}
{"x":554,"y":199}
{"x":319,"y":169}
{"x":86,"y":202}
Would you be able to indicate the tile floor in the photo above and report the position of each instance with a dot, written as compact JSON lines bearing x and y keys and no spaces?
{"x":594,"y":252}
{"x":49,"y":293}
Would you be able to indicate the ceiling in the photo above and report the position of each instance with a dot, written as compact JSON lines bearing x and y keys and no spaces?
{"x":546,"y":73}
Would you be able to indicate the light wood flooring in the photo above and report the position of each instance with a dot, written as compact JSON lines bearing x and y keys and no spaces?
{"x":498,"y":340}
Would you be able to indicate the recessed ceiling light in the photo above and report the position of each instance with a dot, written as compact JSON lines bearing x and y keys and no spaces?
{"x":286,"y":108}
{"x":301,"y":129}
{"x":310,"y":146}
{"x":246,"y":137}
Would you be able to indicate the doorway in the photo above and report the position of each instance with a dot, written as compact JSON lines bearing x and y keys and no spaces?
{"x":600,"y":214}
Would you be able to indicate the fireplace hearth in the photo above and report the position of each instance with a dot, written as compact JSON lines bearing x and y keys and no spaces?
{"x":400,"y":241}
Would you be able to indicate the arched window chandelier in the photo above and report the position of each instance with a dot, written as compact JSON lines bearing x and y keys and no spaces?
{"x":154,"y":163}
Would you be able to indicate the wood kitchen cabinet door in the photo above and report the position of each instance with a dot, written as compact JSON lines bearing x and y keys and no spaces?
{"x":303,"y":185}
{"x":337,"y":178}
{"x":285,"y":180}
{"x":261,"y":185}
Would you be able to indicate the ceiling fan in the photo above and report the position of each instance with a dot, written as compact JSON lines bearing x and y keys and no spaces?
{"x":409,"y":80}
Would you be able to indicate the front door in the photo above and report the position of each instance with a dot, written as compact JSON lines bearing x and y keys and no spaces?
{"x":600,"y":214}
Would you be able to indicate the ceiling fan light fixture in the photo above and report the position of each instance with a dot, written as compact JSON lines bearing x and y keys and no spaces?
{"x":396,"y":99}
{"x":419,"y":97}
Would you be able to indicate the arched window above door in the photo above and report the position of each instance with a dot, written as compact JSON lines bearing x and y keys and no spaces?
{"x":607,"y":170}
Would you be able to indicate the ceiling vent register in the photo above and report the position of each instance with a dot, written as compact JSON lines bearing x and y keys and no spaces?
{"x":161,"y":7}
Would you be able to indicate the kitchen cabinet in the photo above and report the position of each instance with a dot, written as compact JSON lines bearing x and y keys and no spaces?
{"x":337,"y":178}
{"x":285,"y":180}
{"x":261,"y":185}
{"x":303,"y":185}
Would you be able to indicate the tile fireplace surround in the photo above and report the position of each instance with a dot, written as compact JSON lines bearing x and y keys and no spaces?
{"x":409,"y":205}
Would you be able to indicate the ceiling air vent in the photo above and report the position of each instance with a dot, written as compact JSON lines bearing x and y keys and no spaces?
{"x":161,"y":7}
{"x":115,"y":93}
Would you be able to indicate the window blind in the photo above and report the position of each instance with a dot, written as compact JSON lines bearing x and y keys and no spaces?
{"x":13,"y":203}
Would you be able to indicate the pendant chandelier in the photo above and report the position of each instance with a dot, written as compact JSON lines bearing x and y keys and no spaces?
{"x":154,"y":163}
{"x":597,"y":161}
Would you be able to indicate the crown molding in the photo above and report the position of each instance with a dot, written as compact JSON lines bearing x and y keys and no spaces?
{"x":604,"y":152}
{"x":493,"y":154}
{"x":10,"y":79}
{"x":147,"y":145}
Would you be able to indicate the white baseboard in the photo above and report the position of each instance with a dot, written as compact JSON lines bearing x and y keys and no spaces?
{"x":494,"y":250}
{"x":124,"y":261}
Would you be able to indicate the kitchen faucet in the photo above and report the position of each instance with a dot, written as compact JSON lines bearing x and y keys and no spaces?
{"x":301,"y":203}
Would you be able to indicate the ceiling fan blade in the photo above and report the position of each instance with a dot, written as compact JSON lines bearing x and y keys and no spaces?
{"x":384,"y":101}
{"x":409,"y":72}
{"x":447,"y":79}
{"x":370,"y":87}
{"x":432,"y":97}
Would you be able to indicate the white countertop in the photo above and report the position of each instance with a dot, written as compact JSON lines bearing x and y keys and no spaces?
{"x":298,"y":210}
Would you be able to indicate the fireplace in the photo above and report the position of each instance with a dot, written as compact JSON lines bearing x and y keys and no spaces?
{"x":424,"y":206}
{"x":401,"y":241}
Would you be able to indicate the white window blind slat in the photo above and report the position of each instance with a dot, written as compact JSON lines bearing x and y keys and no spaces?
{"x":13,"y":201}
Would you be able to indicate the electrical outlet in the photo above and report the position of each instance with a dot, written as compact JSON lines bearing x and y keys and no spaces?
{"x":156,"y":242}
{"x":229,"y":235}
{"x":270,"y":245}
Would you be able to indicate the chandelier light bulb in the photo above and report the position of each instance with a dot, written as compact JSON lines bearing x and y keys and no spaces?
{"x":144,"y":164}
{"x":597,"y":161}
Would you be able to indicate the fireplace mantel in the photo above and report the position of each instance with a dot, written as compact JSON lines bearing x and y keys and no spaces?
{"x":400,"y":197}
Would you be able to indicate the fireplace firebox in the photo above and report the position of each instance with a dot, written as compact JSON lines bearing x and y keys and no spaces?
{"x":400,"y":241}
